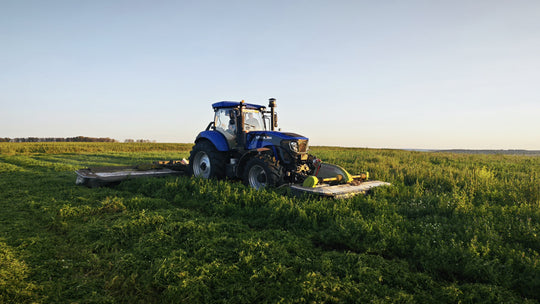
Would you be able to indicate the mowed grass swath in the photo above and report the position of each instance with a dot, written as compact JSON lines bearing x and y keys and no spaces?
{"x":451,"y":228}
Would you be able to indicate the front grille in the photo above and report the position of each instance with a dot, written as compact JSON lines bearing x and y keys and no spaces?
{"x":302,"y":145}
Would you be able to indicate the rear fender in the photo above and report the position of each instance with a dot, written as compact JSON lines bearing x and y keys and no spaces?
{"x":216,"y":138}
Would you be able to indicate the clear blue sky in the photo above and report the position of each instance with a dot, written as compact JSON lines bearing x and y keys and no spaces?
{"x":390,"y":74}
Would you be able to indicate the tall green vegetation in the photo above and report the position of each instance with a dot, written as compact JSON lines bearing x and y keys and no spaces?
{"x":451,"y":228}
{"x":87,"y":147}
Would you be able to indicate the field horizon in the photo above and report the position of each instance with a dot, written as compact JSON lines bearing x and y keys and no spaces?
{"x":508,"y":151}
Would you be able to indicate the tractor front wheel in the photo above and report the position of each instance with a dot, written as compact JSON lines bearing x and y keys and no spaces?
{"x":206,"y":161}
{"x":260,"y":173}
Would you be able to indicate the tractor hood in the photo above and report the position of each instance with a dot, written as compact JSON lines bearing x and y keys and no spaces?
{"x":273,"y":135}
{"x":260,"y":139}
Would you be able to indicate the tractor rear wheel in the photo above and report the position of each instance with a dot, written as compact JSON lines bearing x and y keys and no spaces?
{"x":206,"y":161}
{"x":262,"y":172}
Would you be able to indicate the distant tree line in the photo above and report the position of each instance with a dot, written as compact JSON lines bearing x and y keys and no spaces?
{"x":59,"y":139}
{"x":72,"y":139}
{"x":139,"y":141}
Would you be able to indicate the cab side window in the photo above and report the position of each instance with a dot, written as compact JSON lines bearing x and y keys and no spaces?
{"x":223,"y":124}
{"x":222,"y":119}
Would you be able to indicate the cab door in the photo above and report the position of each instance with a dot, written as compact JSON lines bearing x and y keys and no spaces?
{"x":225,"y":124}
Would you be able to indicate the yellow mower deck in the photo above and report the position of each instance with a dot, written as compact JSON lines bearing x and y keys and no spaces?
{"x":338,"y":191}
{"x":334,"y":181}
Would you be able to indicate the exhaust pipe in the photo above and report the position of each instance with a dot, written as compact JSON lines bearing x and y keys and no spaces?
{"x":272,"y":104}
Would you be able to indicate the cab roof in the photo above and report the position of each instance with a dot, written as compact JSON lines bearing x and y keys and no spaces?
{"x":233,"y":104}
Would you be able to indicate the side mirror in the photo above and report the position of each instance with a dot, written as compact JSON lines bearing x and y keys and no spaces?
{"x":275,"y":120}
{"x":232,"y":116}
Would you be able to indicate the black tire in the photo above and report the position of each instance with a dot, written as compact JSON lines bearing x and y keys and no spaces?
{"x":206,"y":161}
{"x":261,"y":172}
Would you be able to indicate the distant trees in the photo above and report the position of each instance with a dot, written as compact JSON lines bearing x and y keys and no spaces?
{"x":72,"y":139}
{"x":59,"y":139}
{"x":129,"y":140}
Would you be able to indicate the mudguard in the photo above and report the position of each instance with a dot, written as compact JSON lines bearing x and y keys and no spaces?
{"x":215,"y":138}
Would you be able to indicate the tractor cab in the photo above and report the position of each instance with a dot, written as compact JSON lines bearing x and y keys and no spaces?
{"x":235,"y":119}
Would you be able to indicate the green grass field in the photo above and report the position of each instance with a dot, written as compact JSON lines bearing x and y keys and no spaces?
{"x":453,"y":228}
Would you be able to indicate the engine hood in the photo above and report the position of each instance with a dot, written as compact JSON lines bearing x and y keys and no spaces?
{"x":276,"y":134}
{"x":259,"y":139}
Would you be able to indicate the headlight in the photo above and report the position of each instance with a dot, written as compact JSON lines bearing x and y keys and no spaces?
{"x":294,"y":146}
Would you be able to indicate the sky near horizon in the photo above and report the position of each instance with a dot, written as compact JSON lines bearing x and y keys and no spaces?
{"x":376,"y":74}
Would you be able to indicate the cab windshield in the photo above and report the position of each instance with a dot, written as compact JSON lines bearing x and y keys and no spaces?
{"x":253,"y":120}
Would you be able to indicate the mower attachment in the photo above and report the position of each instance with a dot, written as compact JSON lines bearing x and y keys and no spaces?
{"x":102,"y":176}
{"x":338,"y":191}
{"x":334,"y":181}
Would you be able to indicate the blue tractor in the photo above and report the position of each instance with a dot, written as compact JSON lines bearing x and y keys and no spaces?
{"x":242,"y":142}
